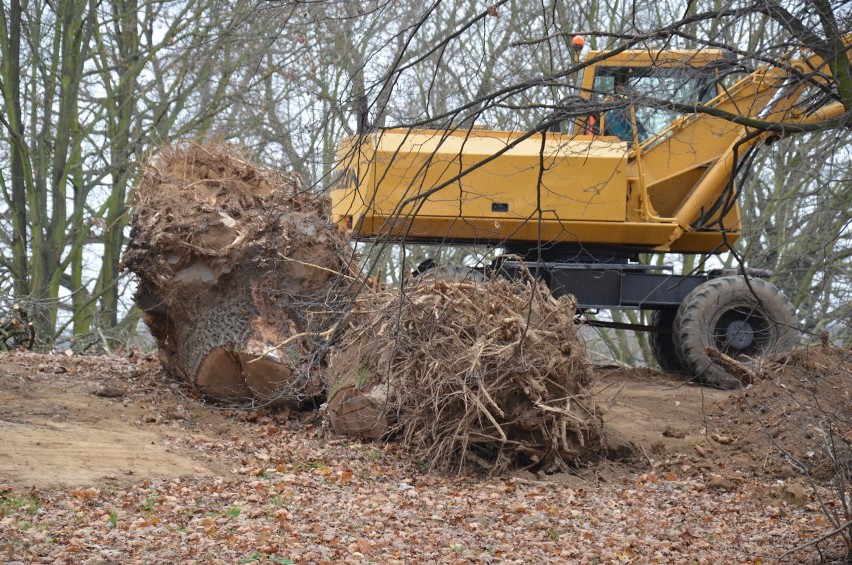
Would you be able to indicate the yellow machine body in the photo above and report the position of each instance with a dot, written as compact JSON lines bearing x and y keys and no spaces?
{"x":662,"y":193}
{"x":408,"y":184}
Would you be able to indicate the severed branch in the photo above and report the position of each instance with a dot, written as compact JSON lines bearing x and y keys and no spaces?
{"x":731,"y":365}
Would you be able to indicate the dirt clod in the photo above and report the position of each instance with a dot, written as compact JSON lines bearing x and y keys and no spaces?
{"x":674,"y":432}
{"x":107,"y":391}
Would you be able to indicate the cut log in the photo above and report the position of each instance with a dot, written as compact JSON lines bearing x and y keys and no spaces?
{"x":354,"y":413}
{"x":232,"y":259}
{"x":357,"y":398}
{"x":219,"y":375}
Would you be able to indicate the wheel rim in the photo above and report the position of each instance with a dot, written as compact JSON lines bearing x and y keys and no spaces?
{"x":742,"y":330}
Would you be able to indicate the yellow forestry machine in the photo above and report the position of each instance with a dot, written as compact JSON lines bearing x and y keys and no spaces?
{"x":644,"y":163}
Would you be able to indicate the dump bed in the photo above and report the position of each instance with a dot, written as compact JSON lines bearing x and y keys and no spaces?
{"x":496,"y":187}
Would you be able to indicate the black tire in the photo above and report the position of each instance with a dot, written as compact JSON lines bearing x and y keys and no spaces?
{"x":662,"y":342}
{"x":742,"y":322}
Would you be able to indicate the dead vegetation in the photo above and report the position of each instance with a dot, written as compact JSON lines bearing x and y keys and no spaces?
{"x":16,"y":329}
{"x":487,"y":374}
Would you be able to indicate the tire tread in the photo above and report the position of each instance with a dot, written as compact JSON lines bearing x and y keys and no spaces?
{"x":699,"y":308}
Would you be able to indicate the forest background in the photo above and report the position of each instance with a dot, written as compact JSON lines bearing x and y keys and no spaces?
{"x":91,"y":87}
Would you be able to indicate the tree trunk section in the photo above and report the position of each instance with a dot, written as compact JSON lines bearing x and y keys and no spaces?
{"x":232,"y":260}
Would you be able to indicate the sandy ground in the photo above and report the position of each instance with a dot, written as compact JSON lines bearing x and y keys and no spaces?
{"x":82,"y":421}
{"x":65,"y":425}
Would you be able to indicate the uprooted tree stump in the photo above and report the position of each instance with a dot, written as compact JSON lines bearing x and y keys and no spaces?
{"x":491,"y":374}
{"x":231,"y":258}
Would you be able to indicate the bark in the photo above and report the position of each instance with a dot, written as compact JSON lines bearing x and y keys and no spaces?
{"x":10,"y":35}
{"x":232,"y":260}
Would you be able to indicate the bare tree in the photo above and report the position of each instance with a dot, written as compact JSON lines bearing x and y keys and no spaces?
{"x":87,"y":88}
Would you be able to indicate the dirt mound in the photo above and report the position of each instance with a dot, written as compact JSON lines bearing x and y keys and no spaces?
{"x":490,"y":374}
{"x":231,"y":259}
{"x":800,"y":404}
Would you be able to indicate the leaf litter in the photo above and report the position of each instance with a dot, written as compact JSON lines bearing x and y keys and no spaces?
{"x":278,"y":486}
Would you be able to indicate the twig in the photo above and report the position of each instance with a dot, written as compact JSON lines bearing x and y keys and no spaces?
{"x":290,"y":340}
{"x":104,"y":342}
{"x":731,"y":365}
{"x":318,"y":267}
{"x":824,"y":537}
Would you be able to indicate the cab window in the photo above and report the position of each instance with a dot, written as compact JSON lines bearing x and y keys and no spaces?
{"x":642,"y":85}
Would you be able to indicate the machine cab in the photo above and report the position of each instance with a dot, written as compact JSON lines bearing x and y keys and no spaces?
{"x":630,"y":86}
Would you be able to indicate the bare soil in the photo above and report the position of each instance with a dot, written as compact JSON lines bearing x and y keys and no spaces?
{"x":72,"y":421}
{"x":81,"y":421}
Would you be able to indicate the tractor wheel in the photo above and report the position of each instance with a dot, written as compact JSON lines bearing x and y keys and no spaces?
{"x":742,"y":322}
{"x":662,"y":342}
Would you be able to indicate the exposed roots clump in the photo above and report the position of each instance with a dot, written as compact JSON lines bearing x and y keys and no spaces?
{"x":489,"y":375}
{"x":232,"y":259}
